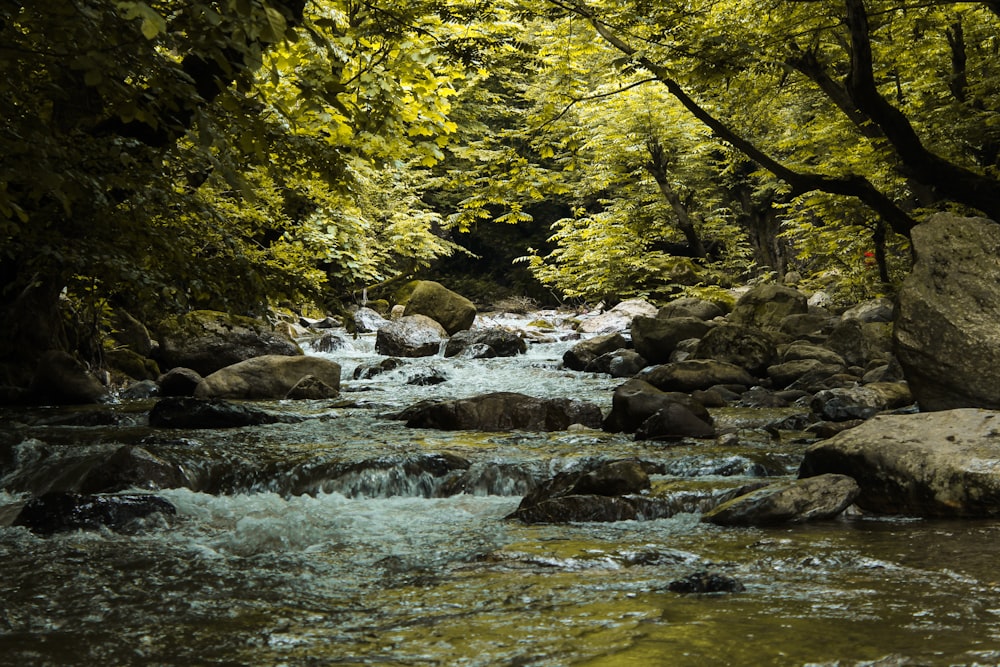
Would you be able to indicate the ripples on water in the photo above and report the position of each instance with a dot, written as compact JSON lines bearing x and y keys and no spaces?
{"x":315,"y":544}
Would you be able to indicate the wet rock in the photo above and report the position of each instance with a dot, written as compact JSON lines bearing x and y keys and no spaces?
{"x":60,"y":379}
{"x":674,"y":422}
{"x":618,"y":318}
{"x":504,"y":343}
{"x":758,"y":397}
{"x":765,"y":306}
{"x":369,"y":370}
{"x":693,"y":374}
{"x":691,"y":307}
{"x":706,"y":582}
{"x":311,"y":388}
{"x":636,"y":400}
{"x":410,"y":336}
{"x":452,"y":311}
{"x":743,"y":346}
{"x":138,"y":391}
{"x":60,"y":512}
{"x":131,"y":467}
{"x":267,"y":377}
{"x":427,"y":378}
{"x":656,"y":338}
{"x":946,"y":331}
{"x":620,"y":363}
{"x":876,"y":310}
{"x":567,"y":509}
{"x":795,"y":501}
{"x":179,"y":382}
{"x":330,"y":342}
{"x":207,"y":341}
{"x":367,"y":320}
{"x":592,"y":495}
{"x":860,"y":402}
{"x":939,"y":464}
{"x":502,"y":411}
{"x":189,"y":412}
{"x":786,"y":374}
{"x":131,"y":364}
{"x":586,"y":351}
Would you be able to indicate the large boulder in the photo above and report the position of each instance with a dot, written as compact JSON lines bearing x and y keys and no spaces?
{"x":946,"y":334}
{"x":765,"y":306}
{"x":940,"y":464}
{"x":655,"y":338}
{"x":504,"y":343}
{"x":502,"y":411}
{"x":60,"y":379}
{"x":796,"y":501}
{"x":268,"y":377}
{"x":636,"y":401}
{"x":452,"y":311}
{"x":578,"y":357}
{"x":410,"y":336}
{"x":861,"y":343}
{"x":743,"y":346}
{"x":694,"y":374}
{"x":206,"y":341}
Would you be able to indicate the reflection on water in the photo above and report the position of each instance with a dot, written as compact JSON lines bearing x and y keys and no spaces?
{"x":320,"y":543}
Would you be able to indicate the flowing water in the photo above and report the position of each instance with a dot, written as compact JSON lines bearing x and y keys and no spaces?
{"x":348,"y":539}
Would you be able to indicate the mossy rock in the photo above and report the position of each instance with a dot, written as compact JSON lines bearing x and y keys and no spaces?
{"x":132,"y":364}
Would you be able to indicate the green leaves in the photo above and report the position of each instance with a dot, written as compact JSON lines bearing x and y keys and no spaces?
{"x":152,"y":24}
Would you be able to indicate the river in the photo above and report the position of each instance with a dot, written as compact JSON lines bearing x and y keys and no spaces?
{"x":348,"y":539}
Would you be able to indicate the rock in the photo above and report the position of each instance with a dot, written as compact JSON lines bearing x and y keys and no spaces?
{"x":655,"y":338}
{"x":206,"y":341}
{"x":586,"y":351}
{"x":267,"y":377}
{"x":940,"y":464}
{"x":859,"y":343}
{"x":60,"y":379}
{"x":477,"y":351}
{"x":693,"y":374}
{"x":132,"y":467}
{"x":567,"y":509}
{"x":617,"y":319}
{"x":788,"y":373}
{"x":60,"y":512}
{"x":502,"y":411}
{"x":179,"y":382}
{"x":410,"y":336}
{"x":367,"y":320}
{"x":132,"y":334}
{"x":799,"y":351}
{"x":743,"y":346}
{"x":188,"y":412}
{"x":452,"y":311}
{"x":758,"y":397}
{"x":636,"y":400}
{"x":369,"y":370}
{"x":876,"y":310}
{"x":585,"y":495}
{"x":329,"y":342}
{"x":311,"y":388}
{"x":427,"y":377}
{"x":131,"y":364}
{"x":843,"y":404}
{"x":140,"y":390}
{"x":765,"y":306}
{"x":804,"y":324}
{"x":620,"y":363}
{"x":796,"y":501}
{"x":706,"y":582}
{"x":946,"y":331}
{"x":690,"y":307}
{"x":674,"y":421}
{"x":503,"y":343}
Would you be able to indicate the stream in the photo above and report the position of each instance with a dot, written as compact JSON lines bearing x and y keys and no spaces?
{"x":348,"y":539}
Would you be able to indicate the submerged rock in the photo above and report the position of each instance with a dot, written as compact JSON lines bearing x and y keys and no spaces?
{"x":502,"y":342}
{"x":797,"y":501}
{"x":502,"y":411}
{"x":60,"y":512}
{"x":189,"y":412}
{"x":706,"y":582}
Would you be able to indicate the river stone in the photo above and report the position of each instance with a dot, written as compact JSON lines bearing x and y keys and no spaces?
{"x":206,"y":341}
{"x":59,"y":512}
{"x":861,"y":343}
{"x":410,"y":336}
{"x":744,"y":346}
{"x":843,"y":404}
{"x":636,"y":400}
{"x":587,"y":495}
{"x":765,"y":306}
{"x":502,"y":411}
{"x":179,"y":382}
{"x":787,"y":373}
{"x":131,"y":467}
{"x":946,"y":333}
{"x":706,"y":582}
{"x":188,"y":412}
{"x":431,"y":299}
{"x":621,"y":363}
{"x":881,"y":309}
{"x":568,"y":509}
{"x":674,"y":421}
{"x":311,"y":388}
{"x":586,"y":351}
{"x":940,"y":464}
{"x":656,"y":338}
{"x":798,"y":351}
{"x":690,"y":307}
{"x":268,"y":377}
{"x":693,"y":374}
{"x":504,"y":343}
{"x":796,"y":501}
{"x":60,"y":379}
{"x":368,"y":370}
{"x":368,"y":320}
{"x":618,"y":318}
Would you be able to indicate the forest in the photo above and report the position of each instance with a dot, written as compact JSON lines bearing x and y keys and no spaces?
{"x":165,"y":156}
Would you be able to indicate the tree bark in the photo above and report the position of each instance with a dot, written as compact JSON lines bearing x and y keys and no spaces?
{"x":657,"y":167}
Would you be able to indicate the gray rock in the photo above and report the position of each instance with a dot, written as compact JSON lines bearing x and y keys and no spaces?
{"x":197,"y":413}
{"x":674,"y":421}
{"x":797,"y":501}
{"x":656,"y":338}
{"x":311,"y":388}
{"x":636,"y":400}
{"x":743,"y":346}
{"x":586,"y":351}
{"x":452,"y":311}
{"x":410,"y":336}
{"x":691,"y":307}
{"x":267,"y":377}
{"x":786,"y":374}
{"x":687,"y":376}
{"x":502,"y":411}
{"x":367,"y":320}
{"x":765,"y":306}
{"x":503,"y":342}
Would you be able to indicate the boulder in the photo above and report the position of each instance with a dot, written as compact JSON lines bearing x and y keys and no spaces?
{"x":743,"y":346}
{"x":410,"y":336}
{"x":311,"y":388}
{"x":617,"y":319}
{"x":206,"y":341}
{"x":179,"y":382}
{"x":330,"y":342}
{"x":798,"y":351}
{"x":690,"y":307}
{"x":656,"y":338}
{"x":132,"y":334}
{"x":367,"y":320}
{"x":674,"y":421}
{"x":60,"y":512}
{"x":504,"y":343}
{"x":940,"y":464}
{"x":367,"y":371}
{"x":795,"y":501}
{"x":131,"y":467}
{"x":60,"y":379}
{"x":452,"y":311}
{"x":946,"y":334}
{"x":788,"y":373}
{"x":267,"y":377}
{"x":693,"y":374}
{"x":586,"y":351}
{"x":765,"y":306}
{"x":620,"y":364}
{"x":636,"y":400}
{"x":590,"y":495}
{"x":861,"y":343}
{"x":876,"y":310}
{"x":843,"y":404}
{"x":502,"y":411}
{"x":132,"y":364}
{"x":188,"y":412}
